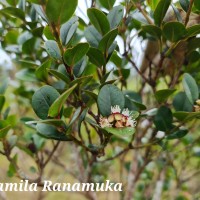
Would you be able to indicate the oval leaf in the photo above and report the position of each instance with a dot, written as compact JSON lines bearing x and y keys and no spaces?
{"x":59,"y":12}
{"x":174,"y":31}
{"x":53,"y":50}
{"x":109,"y":95}
{"x":191,"y":88}
{"x":43,"y":99}
{"x":160,"y":11}
{"x":115,"y":16}
{"x":99,"y":20}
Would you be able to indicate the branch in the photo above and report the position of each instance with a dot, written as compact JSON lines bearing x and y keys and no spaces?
{"x":189,"y":12}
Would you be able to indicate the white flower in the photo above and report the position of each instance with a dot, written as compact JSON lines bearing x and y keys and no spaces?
{"x":160,"y":134}
{"x":131,"y":122}
{"x":104,"y":122}
{"x":126,"y":112}
{"x":115,"y":109}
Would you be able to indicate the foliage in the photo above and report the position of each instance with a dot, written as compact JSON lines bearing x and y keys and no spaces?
{"x":69,"y":76}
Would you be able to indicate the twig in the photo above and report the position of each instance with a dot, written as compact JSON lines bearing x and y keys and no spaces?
{"x":189,"y":12}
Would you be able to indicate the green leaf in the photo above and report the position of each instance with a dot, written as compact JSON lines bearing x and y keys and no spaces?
{"x":108,"y":96}
{"x":58,"y":12}
{"x":48,"y":34}
{"x":43,"y":99}
{"x":51,"y":132}
{"x":123,"y":133}
{"x":99,"y":20}
{"x":193,"y":30}
{"x":81,"y":81}
{"x":197,"y":4}
{"x":79,"y":68}
{"x":75,"y":54}
{"x":108,"y":40}
{"x":2,"y":101}
{"x":139,"y":105}
{"x":4,"y":128}
{"x":152,"y":4}
{"x":115,"y":16}
{"x":174,"y":31}
{"x":108,"y":4}
{"x":160,"y":11}
{"x":177,"y":135}
{"x":185,"y":4}
{"x":133,"y":96}
{"x":14,"y":12}
{"x":186,"y":116}
{"x":54,"y":122}
{"x":162,"y":95}
{"x":53,"y":50}
{"x":68,"y":29}
{"x":190,"y":87}
{"x":59,"y":75}
{"x":152,"y":30}
{"x":3,"y":85}
{"x":41,"y":72}
{"x":163,"y":119}
{"x":56,"y":107}
{"x":96,"y":57}
{"x":92,"y":36}
{"x":182,"y":103}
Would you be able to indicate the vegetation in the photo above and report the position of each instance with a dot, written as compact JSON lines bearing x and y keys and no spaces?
{"x":75,"y":106}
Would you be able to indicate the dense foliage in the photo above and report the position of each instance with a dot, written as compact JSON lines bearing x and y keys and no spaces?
{"x":80,"y":100}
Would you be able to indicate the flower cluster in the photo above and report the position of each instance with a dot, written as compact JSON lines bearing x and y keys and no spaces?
{"x":118,"y":119}
{"x":197,"y":106}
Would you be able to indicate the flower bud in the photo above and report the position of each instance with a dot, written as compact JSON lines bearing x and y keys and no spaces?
{"x":119,"y":124}
{"x":198,"y":102}
{"x":118,"y":117}
{"x":197,"y":108}
{"x":111,"y":118}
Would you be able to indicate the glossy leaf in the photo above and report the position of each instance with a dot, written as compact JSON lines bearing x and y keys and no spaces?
{"x":68,"y":29}
{"x":108,"y":40}
{"x":41,"y":72}
{"x":191,"y":88}
{"x":174,"y":31}
{"x":152,"y":30}
{"x":53,"y":50}
{"x":43,"y":99}
{"x":92,"y":36}
{"x":115,"y":16}
{"x":182,"y":103}
{"x":58,"y":12}
{"x":59,"y":75}
{"x":75,"y":54}
{"x":186,"y":116}
{"x":162,"y":95}
{"x":163,"y":119}
{"x":108,"y":96}
{"x":125,"y":133}
{"x":185,"y":4}
{"x":193,"y":30}
{"x":57,"y":105}
{"x":14,"y":12}
{"x":51,"y":132}
{"x":96,"y":57}
{"x":108,"y":4}
{"x":99,"y":20}
{"x":160,"y":11}
{"x":177,"y":135}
